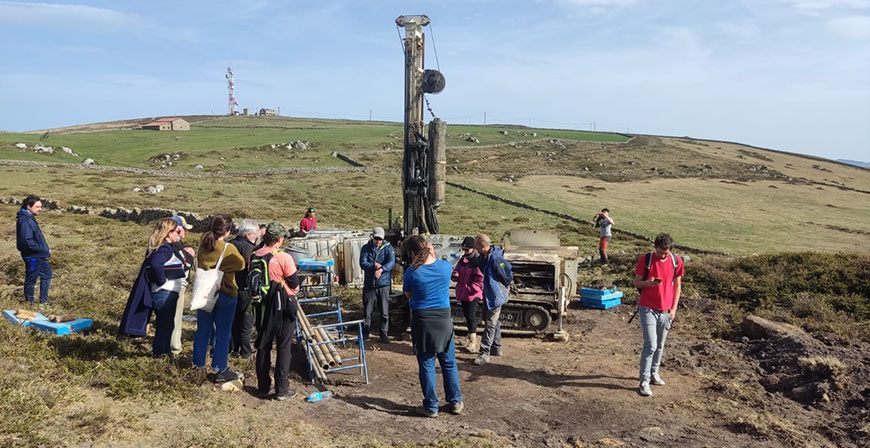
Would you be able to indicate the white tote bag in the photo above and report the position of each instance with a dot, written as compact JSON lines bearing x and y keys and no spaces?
{"x":205,"y":286}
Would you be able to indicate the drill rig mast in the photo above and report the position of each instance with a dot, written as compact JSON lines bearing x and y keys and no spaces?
{"x":425,"y":157}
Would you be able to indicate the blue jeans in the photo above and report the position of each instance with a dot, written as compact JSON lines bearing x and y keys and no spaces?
{"x":655,"y":325}
{"x":450,"y":372}
{"x":163,"y":302}
{"x":36,"y":267}
{"x":219,"y":320}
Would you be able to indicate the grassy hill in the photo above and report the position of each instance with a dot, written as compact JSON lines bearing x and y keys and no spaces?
{"x":799,"y":227}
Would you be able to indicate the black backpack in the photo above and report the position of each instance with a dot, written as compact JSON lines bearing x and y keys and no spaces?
{"x":258,"y":277}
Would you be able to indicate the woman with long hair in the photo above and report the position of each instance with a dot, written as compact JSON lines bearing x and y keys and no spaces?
{"x":220,"y":319}
{"x":427,"y":286}
{"x":165,"y":274}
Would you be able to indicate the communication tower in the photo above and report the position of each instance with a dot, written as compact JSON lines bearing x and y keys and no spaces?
{"x":231,"y":87}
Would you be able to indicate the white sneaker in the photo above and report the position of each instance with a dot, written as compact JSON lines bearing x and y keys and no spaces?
{"x":657,"y":380}
{"x":644,"y":389}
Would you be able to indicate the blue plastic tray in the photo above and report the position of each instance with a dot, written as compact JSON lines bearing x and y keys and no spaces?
{"x":601,"y":305}
{"x":10,"y":316}
{"x":601,"y":297}
{"x":596,"y":292}
{"x":310,"y":264}
{"x":63,"y":328}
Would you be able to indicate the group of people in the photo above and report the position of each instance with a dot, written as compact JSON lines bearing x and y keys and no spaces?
{"x":227,"y":325}
{"x":482,"y":276}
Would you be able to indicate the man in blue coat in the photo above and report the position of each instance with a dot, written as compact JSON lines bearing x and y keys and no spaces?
{"x":34,"y":250}
{"x":377,"y":259}
{"x":497,"y":275}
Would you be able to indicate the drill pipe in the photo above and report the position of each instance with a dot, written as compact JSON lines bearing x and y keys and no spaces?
{"x":306,"y":330}
{"x":317,"y":338}
{"x":330,"y":346}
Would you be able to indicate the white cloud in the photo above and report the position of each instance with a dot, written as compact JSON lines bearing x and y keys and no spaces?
{"x":857,"y":27}
{"x":21,"y":13}
{"x":594,"y":5}
{"x":815,"y":6}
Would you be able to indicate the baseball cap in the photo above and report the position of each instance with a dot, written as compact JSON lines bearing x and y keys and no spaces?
{"x":181,"y":222}
{"x":468,"y":242}
{"x":277,"y":230}
{"x":378,"y":232}
{"x":312,"y":209}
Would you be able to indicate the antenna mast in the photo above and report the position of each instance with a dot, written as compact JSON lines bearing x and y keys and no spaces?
{"x":231,"y":87}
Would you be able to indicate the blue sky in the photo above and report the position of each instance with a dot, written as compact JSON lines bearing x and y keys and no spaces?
{"x":792,"y":75}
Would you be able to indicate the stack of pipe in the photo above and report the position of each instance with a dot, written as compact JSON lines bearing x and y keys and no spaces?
{"x":323,"y":356}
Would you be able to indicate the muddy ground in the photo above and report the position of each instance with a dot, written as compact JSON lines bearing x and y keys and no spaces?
{"x":745,"y":392}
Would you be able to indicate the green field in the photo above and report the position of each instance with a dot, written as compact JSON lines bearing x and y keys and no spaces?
{"x":244,"y":143}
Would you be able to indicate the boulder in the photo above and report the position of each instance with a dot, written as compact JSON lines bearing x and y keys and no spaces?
{"x":159,"y":188}
{"x":88,"y":162}
{"x":136,"y":189}
{"x":151,"y":190}
{"x":759,"y":328}
{"x":198,"y":167}
{"x":21,"y":145}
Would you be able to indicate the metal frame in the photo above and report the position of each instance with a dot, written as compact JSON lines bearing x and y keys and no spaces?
{"x":343,"y":333}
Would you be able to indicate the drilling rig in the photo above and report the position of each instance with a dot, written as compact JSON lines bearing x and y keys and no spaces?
{"x":425,"y":157}
{"x":544,"y":271}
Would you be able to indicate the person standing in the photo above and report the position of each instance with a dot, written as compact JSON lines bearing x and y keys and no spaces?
{"x":279,"y":313}
{"x":220,"y":319}
{"x":469,"y":288}
{"x":660,"y":292}
{"x":497,"y":275}
{"x":309,"y":222}
{"x":427,"y":287}
{"x":243,"y":322}
{"x":165,"y":273}
{"x":187,"y":256}
{"x":377,"y":259}
{"x":604,"y":222}
{"x":34,"y":250}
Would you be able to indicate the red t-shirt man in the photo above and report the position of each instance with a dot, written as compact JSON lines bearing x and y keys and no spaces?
{"x":660,"y":291}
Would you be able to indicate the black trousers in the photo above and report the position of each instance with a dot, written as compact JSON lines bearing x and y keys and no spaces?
{"x":469,"y":309}
{"x":243,"y":324}
{"x":282,"y":335}
{"x":376,"y":298}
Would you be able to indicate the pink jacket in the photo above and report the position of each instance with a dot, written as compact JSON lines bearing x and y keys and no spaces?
{"x":468,"y":278}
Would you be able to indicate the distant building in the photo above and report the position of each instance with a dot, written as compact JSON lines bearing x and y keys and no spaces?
{"x":268,"y":113}
{"x":168,"y":124}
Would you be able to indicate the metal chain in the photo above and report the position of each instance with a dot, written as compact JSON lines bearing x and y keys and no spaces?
{"x":429,"y":107}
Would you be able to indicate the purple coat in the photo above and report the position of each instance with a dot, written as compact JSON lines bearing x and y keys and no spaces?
{"x":468,"y":278}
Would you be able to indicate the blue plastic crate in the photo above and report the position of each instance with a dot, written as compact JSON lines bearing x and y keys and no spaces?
{"x":63,"y":328}
{"x":589,"y":292}
{"x":10,"y":316}
{"x":601,"y":305}
{"x":310,"y":264}
{"x":610,"y":295}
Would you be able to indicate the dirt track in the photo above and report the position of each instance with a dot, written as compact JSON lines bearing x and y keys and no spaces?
{"x":580,"y":393}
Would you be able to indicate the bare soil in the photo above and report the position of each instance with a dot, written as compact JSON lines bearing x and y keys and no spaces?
{"x":584,"y":393}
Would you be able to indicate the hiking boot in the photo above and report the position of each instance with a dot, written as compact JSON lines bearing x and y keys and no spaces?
{"x":423,"y":412}
{"x":385,"y":340}
{"x":481,"y":359}
{"x":285,"y":395}
{"x":263,"y":395}
{"x":657,"y":380}
{"x":473,"y":345}
{"x":644,"y":389}
{"x":456,"y":407}
{"x":227,"y":374}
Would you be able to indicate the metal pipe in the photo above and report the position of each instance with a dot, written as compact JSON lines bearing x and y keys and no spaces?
{"x":325,"y":350}
{"x":318,"y":353}
{"x":330,"y":346}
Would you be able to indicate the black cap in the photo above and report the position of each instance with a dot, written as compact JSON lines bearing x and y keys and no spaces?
{"x":468,"y":242}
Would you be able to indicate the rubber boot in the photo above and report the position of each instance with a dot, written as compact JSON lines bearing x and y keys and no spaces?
{"x":473,"y":343}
